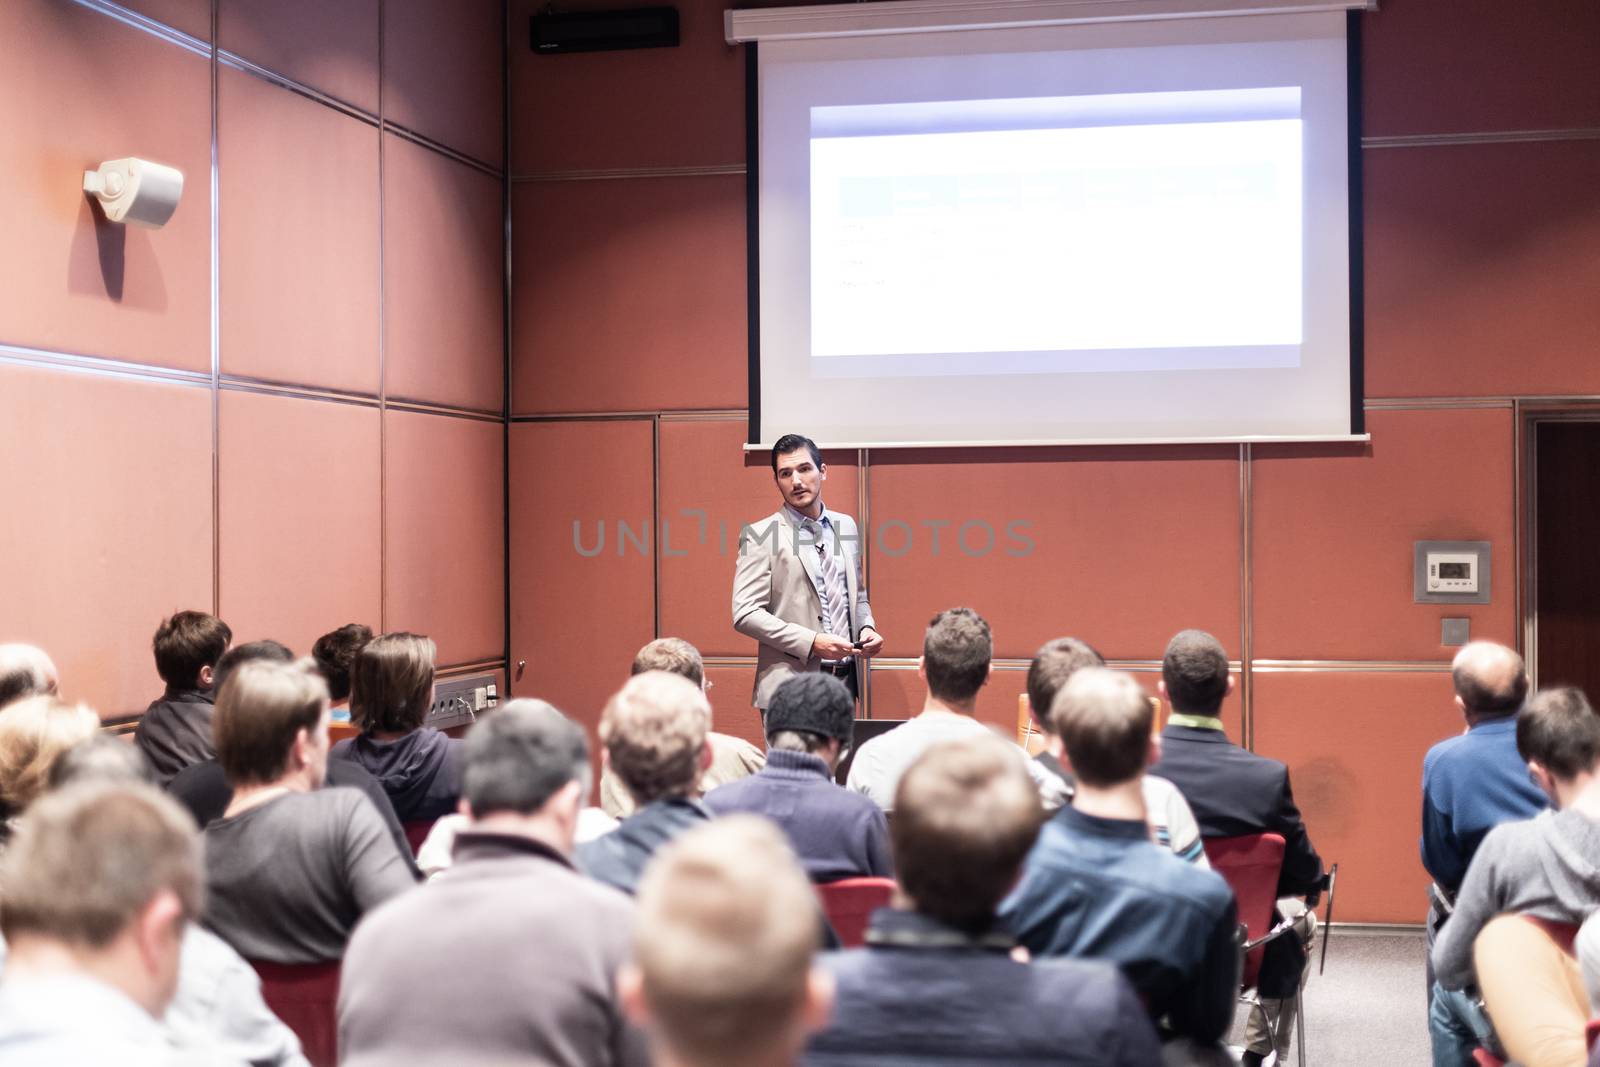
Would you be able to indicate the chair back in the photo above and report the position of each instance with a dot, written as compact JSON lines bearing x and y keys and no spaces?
{"x":1250,"y":864}
{"x":417,"y":831}
{"x":306,"y":997}
{"x":1563,"y":934}
{"x":849,"y":905}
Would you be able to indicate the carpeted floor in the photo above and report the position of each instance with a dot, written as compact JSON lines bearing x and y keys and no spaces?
{"x":1369,"y":1007}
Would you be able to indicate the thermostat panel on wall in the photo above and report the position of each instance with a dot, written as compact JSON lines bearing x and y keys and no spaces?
{"x":1450,"y":572}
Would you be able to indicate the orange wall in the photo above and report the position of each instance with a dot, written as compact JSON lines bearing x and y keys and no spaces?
{"x":271,"y":476}
{"x":1482,"y":261}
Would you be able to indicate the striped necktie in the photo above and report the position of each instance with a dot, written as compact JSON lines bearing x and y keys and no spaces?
{"x":835,"y":594}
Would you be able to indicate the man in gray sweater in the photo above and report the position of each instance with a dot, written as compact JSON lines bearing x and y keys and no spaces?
{"x":1547,"y":867}
{"x":509,"y":957}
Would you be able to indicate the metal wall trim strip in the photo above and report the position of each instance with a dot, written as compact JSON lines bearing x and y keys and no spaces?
{"x":153,"y":27}
{"x":470,"y":667}
{"x":1136,"y":666}
{"x":591,"y":416}
{"x":1435,"y":140}
{"x":215,"y":324}
{"x":621,"y":173}
{"x":708,"y":415}
{"x":422,"y":140}
{"x":1247,"y":717}
{"x":1437,"y":403}
{"x":446,"y":410}
{"x":1349,"y":666}
{"x":23,"y":356}
{"x":655,"y":526}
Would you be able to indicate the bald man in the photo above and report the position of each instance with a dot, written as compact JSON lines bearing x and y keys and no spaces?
{"x":25,"y":671}
{"x":1476,"y":780}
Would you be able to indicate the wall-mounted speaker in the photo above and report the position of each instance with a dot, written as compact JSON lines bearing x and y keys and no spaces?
{"x":604,"y":31}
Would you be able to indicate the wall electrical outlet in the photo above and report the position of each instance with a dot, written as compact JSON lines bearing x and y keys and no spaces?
{"x":459,"y":701}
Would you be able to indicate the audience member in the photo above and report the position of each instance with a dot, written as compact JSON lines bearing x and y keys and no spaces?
{"x":1474,"y":781}
{"x":966,"y":815}
{"x":836,"y":833}
{"x":100,"y":882}
{"x":292,"y":867}
{"x":1233,"y":791}
{"x":1171,"y":821}
{"x":176,"y":729}
{"x":391,"y":687}
{"x":1096,"y":887}
{"x":33,"y":734}
{"x":204,"y":789}
{"x":335,"y":653}
{"x":25,"y":671}
{"x":725,"y":949}
{"x":955,"y":664}
{"x":1533,"y":993}
{"x":217,"y":1011}
{"x":732,"y":758}
{"x":542,"y":943}
{"x":654,"y":733}
{"x":1546,"y":867}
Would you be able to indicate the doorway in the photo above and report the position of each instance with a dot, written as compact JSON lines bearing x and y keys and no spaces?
{"x":1563,"y":610}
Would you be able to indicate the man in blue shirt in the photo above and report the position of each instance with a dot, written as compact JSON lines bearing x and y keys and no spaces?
{"x":1096,"y":887}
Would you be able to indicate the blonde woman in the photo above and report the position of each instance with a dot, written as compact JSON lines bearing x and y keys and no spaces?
{"x":33,"y":733}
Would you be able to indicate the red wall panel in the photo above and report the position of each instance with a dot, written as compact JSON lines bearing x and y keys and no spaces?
{"x":330,"y":47}
{"x":731,"y":710}
{"x":444,"y":523}
{"x":629,"y":295}
{"x":444,"y":280}
{"x":1334,"y":526}
{"x":1482,"y":264}
{"x":664,"y":107}
{"x":1354,"y":745}
{"x":1479,"y":65}
{"x":1128,"y":546}
{"x":110,"y":528}
{"x":69,"y":280}
{"x":299,"y":238}
{"x":443,"y":62}
{"x":300,"y":509}
{"x":703,"y":468}
{"x":191,"y":16}
{"x":578,"y":619}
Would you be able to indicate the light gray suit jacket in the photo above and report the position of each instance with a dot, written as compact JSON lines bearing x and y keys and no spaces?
{"x":777,"y":598}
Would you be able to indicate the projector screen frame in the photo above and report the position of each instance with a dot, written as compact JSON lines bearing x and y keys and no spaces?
{"x":755,"y":442}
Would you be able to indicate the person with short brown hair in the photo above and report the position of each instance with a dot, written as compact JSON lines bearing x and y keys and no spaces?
{"x":966,"y":816}
{"x":33,"y":735}
{"x":391,"y":687}
{"x":335,"y":653}
{"x":176,"y":729}
{"x":724,"y":950}
{"x":100,"y":883}
{"x":654,"y":734}
{"x":292,"y":867}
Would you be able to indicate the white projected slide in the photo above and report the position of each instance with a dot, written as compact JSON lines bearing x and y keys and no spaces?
{"x":1118,"y":232}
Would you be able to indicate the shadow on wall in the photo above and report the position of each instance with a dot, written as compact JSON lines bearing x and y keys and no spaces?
{"x":98,"y":263}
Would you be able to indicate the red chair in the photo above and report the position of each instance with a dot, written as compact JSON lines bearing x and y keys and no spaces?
{"x":849,"y":905}
{"x":306,"y":997}
{"x":417,"y":831}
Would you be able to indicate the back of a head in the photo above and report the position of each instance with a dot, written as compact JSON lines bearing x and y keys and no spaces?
{"x":654,"y":730}
{"x":1560,"y":730}
{"x":1195,"y":672}
{"x":86,"y":860}
{"x":955,"y":655}
{"x":335,"y":652}
{"x":186,"y":642}
{"x":673,"y":655}
{"x":1490,"y":679}
{"x":1104,"y":720}
{"x":1052,"y":665}
{"x":810,"y":709}
{"x":266,"y":650}
{"x":102,"y":758}
{"x":965,"y":815}
{"x":260,"y":711}
{"x":33,"y":735}
{"x":25,"y":671}
{"x":726,"y":930}
{"x":521,"y":756}
{"x":391,"y":683}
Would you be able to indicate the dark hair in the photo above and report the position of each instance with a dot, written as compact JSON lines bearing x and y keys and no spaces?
{"x":102,"y":758}
{"x":1104,"y":720}
{"x":1052,"y":665}
{"x":1195,"y":670}
{"x":186,"y":642}
{"x":673,"y":655}
{"x":391,"y":683}
{"x":521,"y":756}
{"x":335,"y":652}
{"x":955,"y":654}
{"x":266,"y":650}
{"x":814,"y":703}
{"x":1484,"y":690}
{"x":1560,"y":730}
{"x":25,"y":671}
{"x":261,"y":709}
{"x":965,"y":815}
{"x":793,"y":442}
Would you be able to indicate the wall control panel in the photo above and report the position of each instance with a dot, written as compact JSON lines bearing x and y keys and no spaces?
{"x":1450,"y":572}
{"x":458,"y":701}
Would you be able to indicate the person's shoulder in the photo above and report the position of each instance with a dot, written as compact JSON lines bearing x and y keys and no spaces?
{"x":737,"y":795}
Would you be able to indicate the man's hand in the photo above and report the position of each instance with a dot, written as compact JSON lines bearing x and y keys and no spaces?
{"x":871,"y":641}
{"x":827,"y":646}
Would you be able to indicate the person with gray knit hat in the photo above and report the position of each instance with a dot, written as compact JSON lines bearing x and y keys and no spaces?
{"x":836,"y":833}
